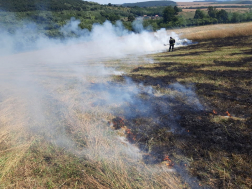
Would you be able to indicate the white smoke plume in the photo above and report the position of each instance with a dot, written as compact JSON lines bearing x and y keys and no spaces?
{"x":57,"y":83}
{"x":107,"y":39}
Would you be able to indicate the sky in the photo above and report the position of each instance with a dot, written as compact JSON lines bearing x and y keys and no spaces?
{"x":129,"y":1}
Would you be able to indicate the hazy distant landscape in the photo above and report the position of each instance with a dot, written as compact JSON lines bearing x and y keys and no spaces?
{"x":91,"y":97}
{"x":50,"y":16}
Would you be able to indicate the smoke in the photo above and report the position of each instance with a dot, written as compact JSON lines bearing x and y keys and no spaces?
{"x":188,"y":94}
{"x":64,"y":85}
{"x":107,"y":39}
{"x":73,"y":27}
{"x":138,"y":25}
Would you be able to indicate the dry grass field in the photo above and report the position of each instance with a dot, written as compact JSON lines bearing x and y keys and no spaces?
{"x":240,"y":10}
{"x":204,"y":4}
{"x":218,"y":145}
{"x":215,"y":31}
{"x":154,"y":121}
{"x":189,"y":13}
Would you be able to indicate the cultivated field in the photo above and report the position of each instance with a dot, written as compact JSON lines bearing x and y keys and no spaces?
{"x":189,"y":8}
{"x":240,"y":10}
{"x":177,"y":119}
{"x":204,"y":4}
{"x":215,"y":31}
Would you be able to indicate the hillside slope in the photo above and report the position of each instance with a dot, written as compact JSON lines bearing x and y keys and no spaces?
{"x":150,"y":4}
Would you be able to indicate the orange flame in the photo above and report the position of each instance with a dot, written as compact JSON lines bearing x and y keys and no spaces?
{"x":168,"y":161}
{"x":121,"y":120}
{"x":130,"y":134}
{"x":118,"y":122}
{"x":128,"y":131}
{"x":214,"y":112}
{"x":228,"y":114}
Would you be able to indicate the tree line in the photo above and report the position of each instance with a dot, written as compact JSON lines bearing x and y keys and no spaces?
{"x":214,"y":16}
{"x":49,"y":5}
{"x":51,"y":15}
{"x":150,"y":4}
{"x":171,"y":18}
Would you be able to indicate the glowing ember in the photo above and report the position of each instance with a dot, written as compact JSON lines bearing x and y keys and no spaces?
{"x":214,"y":112}
{"x":130,"y":134}
{"x":228,"y":114}
{"x":118,"y":122}
{"x":168,"y":161}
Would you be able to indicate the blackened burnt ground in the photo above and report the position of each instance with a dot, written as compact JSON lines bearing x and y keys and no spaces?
{"x":213,"y":147}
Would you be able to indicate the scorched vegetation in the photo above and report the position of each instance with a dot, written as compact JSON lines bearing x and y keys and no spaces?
{"x":183,"y":121}
{"x":213,"y":144}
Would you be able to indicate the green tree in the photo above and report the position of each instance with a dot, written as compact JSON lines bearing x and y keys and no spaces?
{"x":169,"y":14}
{"x":222,"y":16}
{"x":131,"y":18}
{"x":112,"y":17}
{"x":199,"y":14}
{"x":235,"y":17}
{"x":176,"y":9}
{"x":212,"y":11}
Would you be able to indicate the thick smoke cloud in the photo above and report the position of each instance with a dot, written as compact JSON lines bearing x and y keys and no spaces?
{"x":104,"y":38}
{"x":56,"y":83}
{"x":34,"y":66}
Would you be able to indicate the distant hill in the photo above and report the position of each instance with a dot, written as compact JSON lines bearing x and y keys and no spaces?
{"x":150,"y":4}
{"x":51,"y":5}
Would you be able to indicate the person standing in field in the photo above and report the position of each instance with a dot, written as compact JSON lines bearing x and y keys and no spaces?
{"x":171,"y":42}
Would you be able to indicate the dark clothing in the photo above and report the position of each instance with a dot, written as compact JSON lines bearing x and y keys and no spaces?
{"x":172,"y":42}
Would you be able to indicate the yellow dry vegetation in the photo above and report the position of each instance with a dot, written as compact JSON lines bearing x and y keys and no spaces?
{"x":204,"y":4}
{"x":215,"y":31}
{"x":27,"y":161}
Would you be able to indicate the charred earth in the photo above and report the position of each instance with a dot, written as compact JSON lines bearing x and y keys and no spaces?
{"x":212,"y":143}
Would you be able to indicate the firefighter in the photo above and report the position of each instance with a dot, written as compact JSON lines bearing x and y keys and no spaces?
{"x":171,"y":42}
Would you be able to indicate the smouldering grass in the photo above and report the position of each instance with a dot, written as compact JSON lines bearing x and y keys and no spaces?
{"x":219,"y":70}
{"x":97,"y":159}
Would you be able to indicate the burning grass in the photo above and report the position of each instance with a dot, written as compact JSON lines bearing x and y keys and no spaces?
{"x":217,"y":145}
{"x":73,"y":145}
{"x":44,"y":161}
{"x":157,"y":131}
